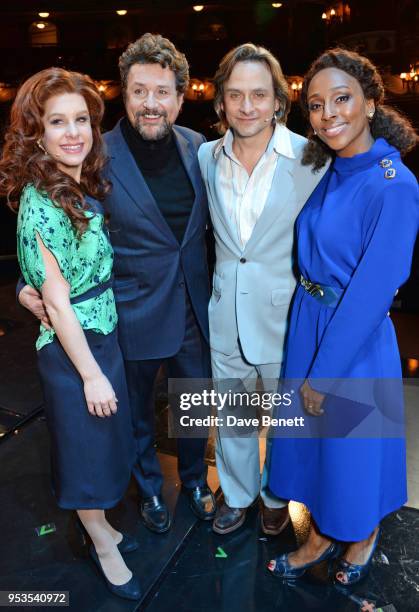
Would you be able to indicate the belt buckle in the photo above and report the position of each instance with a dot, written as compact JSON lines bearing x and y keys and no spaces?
{"x":314,"y":289}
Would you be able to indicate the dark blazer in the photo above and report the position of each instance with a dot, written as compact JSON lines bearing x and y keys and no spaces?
{"x":152,"y":270}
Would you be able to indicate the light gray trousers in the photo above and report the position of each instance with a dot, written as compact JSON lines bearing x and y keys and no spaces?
{"x":237,"y":457}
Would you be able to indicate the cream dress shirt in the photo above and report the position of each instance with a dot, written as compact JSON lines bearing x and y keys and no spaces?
{"x":244,"y":196}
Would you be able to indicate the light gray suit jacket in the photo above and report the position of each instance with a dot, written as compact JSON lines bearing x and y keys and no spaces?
{"x":253,"y":287}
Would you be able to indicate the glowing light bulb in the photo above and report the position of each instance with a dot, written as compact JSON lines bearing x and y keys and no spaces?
{"x":412,"y":365}
{"x":277,"y":4}
{"x":44,"y":15}
{"x":198,"y":7}
{"x":40,"y":25}
{"x":121,"y":12}
{"x":333,"y":12}
{"x":324,"y":16}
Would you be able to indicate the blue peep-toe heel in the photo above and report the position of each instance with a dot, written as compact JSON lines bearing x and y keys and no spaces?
{"x":348,"y":574}
{"x":284,"y":570}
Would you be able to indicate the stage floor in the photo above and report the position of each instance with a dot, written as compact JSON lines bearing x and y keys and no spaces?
{"x":189,"y":569}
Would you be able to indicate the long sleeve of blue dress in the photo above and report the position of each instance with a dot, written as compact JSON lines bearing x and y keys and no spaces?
{"x":391,"y":225}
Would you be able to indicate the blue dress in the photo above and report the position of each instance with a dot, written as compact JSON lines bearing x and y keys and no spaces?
{"x":356,"y":233}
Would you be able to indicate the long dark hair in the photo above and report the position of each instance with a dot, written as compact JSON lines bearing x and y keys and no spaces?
{"x":387,"y":122}
{"x":23,"y":161}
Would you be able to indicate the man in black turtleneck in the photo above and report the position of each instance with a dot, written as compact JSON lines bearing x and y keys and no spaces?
{"x":158,"y":214}
{"x":161,"y":166}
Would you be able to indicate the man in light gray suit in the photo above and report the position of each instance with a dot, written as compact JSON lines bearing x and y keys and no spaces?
{"x":256,"y":187}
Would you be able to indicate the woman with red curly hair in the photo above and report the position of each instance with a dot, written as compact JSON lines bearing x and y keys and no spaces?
{"x":50,"y":172}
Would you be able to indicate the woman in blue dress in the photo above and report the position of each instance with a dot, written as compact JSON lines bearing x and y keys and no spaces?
{"x":356,"y":236}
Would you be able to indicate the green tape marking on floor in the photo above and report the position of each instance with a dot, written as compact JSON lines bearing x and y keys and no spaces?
{"x":220,"y":554}
{"x":45,"y":529}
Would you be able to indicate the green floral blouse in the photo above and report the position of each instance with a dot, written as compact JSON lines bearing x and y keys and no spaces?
{"x":84,"y":262}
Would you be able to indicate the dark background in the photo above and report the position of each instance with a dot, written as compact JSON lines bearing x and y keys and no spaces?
{"x":90,"y":37}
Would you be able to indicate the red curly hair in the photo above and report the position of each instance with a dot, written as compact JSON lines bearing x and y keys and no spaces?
{"x":23,"y":161}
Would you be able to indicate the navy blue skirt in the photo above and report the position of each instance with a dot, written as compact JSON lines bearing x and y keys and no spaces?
{"x":91,"y":457}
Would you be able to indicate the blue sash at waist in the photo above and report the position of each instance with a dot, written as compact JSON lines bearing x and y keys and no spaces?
{"x":92,"y":292}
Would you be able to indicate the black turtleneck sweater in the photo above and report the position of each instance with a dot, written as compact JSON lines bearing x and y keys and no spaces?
{"x":161,"y":166}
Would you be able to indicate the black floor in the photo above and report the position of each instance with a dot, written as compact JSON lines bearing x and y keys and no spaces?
{"x":189,"y":569}
{"x":57,"y":560}
{"x":201,"y":580}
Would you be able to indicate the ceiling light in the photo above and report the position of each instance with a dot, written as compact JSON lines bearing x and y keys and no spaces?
{"x":40,"y":25}
{"x":277,"y":4}
{"x":333,"y":12}
{"x":122,"y":12}
{"x":198,"y":7}
{"x":108,"y":89}
{"x":324,"y":16}
{"x":44,"y":15}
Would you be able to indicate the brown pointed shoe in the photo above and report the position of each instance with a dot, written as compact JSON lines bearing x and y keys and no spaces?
{"x":274,"y":520}
{"x":228,"y":519}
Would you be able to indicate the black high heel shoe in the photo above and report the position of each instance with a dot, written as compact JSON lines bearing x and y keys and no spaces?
{"x":128,"y":590}
{"x":286,"y":571}
{"x":348,"y":574}
{"x":126,"y":545}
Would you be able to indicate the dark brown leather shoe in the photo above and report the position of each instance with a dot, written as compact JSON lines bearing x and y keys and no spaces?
{"x":274,"y":520}
{"x":228,"y":519}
